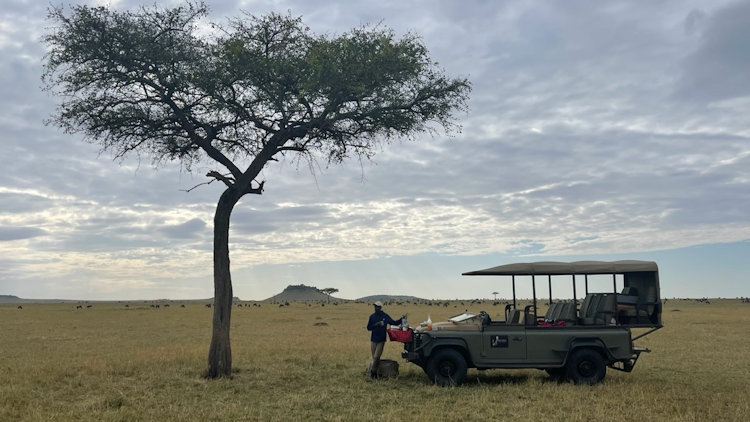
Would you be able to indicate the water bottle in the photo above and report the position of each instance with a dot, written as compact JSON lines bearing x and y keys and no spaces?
{"x":429,"y":322}
{"x":404,"y":323}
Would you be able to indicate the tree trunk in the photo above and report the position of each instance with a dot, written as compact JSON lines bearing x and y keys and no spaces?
{"x":220,"y":352}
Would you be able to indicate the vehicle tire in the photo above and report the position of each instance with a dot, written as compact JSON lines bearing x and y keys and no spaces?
{"x":586,"y":366}
{"x":446,"y":367}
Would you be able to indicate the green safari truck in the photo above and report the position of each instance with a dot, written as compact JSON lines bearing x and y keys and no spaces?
{"x":574,"y":340}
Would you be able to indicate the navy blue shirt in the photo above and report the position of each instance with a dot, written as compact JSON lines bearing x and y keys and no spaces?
{"x":378,"y":331}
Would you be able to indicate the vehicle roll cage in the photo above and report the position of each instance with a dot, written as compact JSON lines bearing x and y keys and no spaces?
{"x":638,"y":305}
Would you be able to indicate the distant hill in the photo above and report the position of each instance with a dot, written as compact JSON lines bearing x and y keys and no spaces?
{"x":16,"y":299}
{"x":387,"y":298}
{"x":302,"y":293}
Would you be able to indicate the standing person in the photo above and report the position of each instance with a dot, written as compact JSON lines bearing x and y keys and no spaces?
{"x":376,"y":324}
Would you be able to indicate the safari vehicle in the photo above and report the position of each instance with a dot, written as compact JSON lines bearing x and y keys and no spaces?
{"x":573,"y":340}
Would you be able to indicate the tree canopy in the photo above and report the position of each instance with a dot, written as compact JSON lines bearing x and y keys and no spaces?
{"x":329,"y":291}
{"x":149,"y":81}
{"x":169,"y":84}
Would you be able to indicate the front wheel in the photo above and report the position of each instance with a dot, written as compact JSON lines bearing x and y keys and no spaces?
{"x":446,"y":367}
{"x":586,"y":366}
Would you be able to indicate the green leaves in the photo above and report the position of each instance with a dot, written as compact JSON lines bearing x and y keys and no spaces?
{"x":148,"y":81}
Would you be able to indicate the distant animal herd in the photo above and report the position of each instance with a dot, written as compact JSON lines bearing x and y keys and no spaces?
{"x":455,"y":303}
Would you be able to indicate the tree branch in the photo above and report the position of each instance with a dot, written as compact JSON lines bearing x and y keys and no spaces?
{"x":229,"y":181}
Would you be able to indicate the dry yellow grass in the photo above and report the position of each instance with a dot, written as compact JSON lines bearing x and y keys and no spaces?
{"x":111,"y":363}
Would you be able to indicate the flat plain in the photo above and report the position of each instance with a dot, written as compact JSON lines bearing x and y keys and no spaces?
{"x":113,"y":362}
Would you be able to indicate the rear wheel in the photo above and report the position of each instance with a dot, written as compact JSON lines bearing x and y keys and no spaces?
{"x":586,"y":366}
{"x":446,"y":367}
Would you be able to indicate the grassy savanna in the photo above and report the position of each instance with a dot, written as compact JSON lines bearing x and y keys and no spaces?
{"x":109,"y":362}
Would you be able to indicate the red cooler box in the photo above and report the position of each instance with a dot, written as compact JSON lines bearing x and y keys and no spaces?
{"x":399,"y":335}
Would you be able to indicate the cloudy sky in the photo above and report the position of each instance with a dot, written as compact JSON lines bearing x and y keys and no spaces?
{"x":596,"y":130}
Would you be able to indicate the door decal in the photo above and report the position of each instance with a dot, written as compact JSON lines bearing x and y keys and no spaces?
{"x":499,"y":341}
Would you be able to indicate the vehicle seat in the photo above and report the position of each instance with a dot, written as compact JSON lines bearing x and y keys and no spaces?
{"x":588,"y":309}
{"x":556,"y":315}
{"x":568,"y":313}
{"x":528,"y":315}
{"x":600,"y":309}
{"x":549,"y":316}
{"x":629,"y":296}
{"x":515,"y":317}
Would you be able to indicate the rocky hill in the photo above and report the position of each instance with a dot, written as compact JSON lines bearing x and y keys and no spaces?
{"x":302,"y":293}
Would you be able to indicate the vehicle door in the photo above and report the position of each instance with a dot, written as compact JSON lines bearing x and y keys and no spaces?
{"x":504,"y":342}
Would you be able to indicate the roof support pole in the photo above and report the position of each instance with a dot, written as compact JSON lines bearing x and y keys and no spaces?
{"x":575,"y":296}
{"x":533,"y":289}
{"x":614,"y":283}
{"x":614,"y":302}
{"x":549,"y":283}
{"x":514,"y":291}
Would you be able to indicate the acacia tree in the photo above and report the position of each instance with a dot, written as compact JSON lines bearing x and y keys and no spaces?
{"x":155,"y":81}
{"x":329,"y":291}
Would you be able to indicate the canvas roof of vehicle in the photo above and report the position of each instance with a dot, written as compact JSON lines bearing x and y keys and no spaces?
{"x":569,"y":268}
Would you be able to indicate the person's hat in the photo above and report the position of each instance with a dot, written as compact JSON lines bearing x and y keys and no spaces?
{"x":378,"y":304}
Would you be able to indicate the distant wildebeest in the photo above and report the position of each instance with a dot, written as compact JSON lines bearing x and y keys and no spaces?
{"x":79,"y":307}
{"x":89,"y":306}
{"x":208,"y":305}
{"x":182,"y":306}
{"x":20,"y":307}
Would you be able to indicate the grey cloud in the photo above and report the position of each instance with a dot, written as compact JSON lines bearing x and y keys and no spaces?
{"x":263,"y":220}
{"x":114,"y":241}
{"x":717,"y":69}
{"x":526,"y":247}
{"x":17,"y":233}
{"x":694,"y":20}
{"x":115,"y":232}
{"x":110,"y":221}
{"x":188,"y":230}
{"x":17,"y":203}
